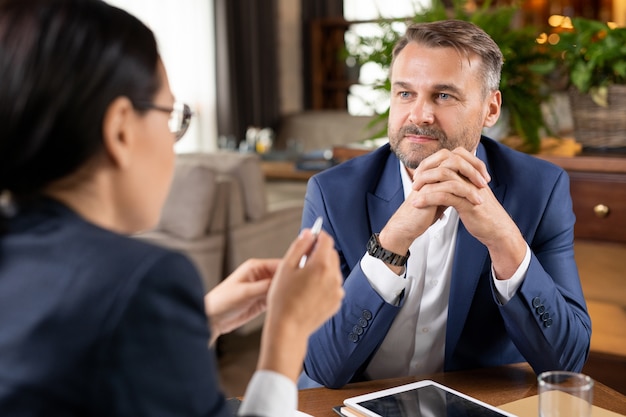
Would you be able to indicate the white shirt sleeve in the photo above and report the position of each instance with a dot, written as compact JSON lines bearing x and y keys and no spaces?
{"x":506,"y":289}
{"x":269,"y":394}
{"x":384,"y":281}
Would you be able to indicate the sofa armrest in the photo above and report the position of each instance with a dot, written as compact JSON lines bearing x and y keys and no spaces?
{"x":266,"y":238}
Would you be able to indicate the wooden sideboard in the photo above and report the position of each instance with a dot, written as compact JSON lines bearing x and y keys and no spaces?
{"x":598,"y":188}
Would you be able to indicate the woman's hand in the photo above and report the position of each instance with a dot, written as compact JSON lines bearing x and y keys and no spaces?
{"x":299,"y":301}
{"x":240,"y":297}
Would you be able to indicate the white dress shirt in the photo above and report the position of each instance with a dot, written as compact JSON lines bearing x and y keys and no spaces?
{"x":270,"y":394}
{"x":415,"y":343}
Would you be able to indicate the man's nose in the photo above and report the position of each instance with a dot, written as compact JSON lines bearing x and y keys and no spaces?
{"x":421,"y":112}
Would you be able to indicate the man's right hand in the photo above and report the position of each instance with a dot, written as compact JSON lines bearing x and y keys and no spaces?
{"x":407,"y":224}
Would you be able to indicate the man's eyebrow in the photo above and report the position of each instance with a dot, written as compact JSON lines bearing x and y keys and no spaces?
{"x":437,"y":87}
{"x":402,"y":84}
{"x":448,"y":88}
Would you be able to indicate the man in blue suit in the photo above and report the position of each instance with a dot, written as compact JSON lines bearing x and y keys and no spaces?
{"x":457,"y":252}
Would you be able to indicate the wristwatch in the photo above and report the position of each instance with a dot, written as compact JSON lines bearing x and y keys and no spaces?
{"x":375,"y":249}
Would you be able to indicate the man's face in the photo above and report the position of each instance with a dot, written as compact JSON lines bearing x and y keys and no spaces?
{"x":437,"y":102}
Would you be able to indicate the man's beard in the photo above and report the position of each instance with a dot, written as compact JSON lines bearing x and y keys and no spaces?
{"x":416,"y":152}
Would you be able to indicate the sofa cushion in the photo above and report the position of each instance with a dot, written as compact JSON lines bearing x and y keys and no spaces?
{"x":188,"y":207}
{"x":246,"y":169}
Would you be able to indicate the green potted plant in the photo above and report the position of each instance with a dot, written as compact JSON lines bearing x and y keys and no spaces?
{"x":523,"y":82}
{"x":593,"y":56}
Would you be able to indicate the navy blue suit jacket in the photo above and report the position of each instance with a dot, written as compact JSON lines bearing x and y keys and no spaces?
{"x":98,"y":324}
{"x":357,"y":197}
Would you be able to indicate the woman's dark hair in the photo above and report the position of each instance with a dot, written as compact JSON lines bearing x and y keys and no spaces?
{"x":62,"y":63}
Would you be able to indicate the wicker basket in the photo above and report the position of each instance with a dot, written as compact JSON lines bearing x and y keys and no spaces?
{"x":597,"y":127}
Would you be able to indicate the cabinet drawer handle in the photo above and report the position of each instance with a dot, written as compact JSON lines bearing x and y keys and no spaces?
{"x":601,"y":210}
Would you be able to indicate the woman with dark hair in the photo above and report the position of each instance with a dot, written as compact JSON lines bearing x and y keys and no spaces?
{"x":95,"y":322}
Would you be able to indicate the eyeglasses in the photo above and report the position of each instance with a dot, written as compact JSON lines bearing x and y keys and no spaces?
{"x":180,"y":116}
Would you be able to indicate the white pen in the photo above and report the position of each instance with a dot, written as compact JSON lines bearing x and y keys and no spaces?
{"x":315,"y":231}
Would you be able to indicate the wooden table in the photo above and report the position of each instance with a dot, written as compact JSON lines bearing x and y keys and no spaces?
{"x":495,"y":386}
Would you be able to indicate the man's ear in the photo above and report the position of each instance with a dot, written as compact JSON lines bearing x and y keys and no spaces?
{"x":117,"y":132}
{"x":494,"y":105}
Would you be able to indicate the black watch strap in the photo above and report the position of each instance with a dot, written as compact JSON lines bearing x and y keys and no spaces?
{"x":375,"y":249}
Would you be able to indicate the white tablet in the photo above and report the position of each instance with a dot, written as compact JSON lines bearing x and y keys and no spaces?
{"x":423,"y":398}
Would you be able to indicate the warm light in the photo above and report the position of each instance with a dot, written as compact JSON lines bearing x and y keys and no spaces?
{"x":567,"y":23}
{"x":619,"y":12}
{"x":612,"y":25}
{"x":553,"y":39}
{"x":543,"y":38}
{"x":470,"y":6}
{"x":555,"y":20}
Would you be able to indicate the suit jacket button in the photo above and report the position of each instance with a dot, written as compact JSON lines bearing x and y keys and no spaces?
{"x":536,"y":302}
{"x":367,"y":315}
{"x":353,"y":338}
{"x":362,"y":322}
{"x":547,"y":323}
{"x":545,"y":316}
{"x":358,"y":330}
{"x":540,"y":309}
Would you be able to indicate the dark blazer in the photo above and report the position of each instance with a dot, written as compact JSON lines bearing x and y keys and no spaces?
{"x":98,"y":324}
{"x":546,"y":323}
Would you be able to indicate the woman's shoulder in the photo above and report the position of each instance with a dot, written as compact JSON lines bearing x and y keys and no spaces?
{"x":91,"y":267}
{"x":124,"y":261}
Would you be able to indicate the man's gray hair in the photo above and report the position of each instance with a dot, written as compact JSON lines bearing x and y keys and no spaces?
{"x":465,"y":37}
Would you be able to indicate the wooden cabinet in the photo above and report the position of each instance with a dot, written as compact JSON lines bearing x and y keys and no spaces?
{"x":598,"y":189}
{"x":330,"y":82}
{"x":600,"y":205}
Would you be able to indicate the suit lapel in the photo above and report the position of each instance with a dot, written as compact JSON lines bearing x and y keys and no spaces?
{"x":387,"y":196}
{"x":470,"y":256}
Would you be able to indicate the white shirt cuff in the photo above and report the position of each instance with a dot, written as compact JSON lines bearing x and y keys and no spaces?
{"x":269,"y":394}
{"x":384,"y":281}
{"x":506,"y":289}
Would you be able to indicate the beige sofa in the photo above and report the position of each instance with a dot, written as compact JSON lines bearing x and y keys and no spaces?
{"x":193,"y":220}
{"x":255,"y":228}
